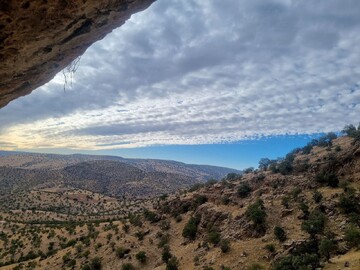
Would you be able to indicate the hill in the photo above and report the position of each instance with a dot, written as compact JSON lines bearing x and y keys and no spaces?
{"x":300,"y":212}
{"x":109,"y":175}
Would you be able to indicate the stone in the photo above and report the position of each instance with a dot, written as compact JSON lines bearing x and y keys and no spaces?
{"x":40,"y":38}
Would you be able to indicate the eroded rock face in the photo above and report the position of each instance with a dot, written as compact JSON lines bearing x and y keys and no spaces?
{"x":39,"y":38}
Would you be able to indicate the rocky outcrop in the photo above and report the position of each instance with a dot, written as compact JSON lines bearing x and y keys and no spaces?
{"x":40,"y":38}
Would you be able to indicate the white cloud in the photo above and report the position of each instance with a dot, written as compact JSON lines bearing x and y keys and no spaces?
{"x":189,"y":72}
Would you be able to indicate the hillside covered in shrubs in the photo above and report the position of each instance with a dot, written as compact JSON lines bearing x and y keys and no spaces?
{"x":295,"y":213}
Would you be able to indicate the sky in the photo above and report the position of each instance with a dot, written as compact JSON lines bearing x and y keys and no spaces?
{"x":218,"y":82}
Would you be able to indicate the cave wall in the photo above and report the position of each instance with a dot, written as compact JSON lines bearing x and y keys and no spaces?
{"x":39,"y":38}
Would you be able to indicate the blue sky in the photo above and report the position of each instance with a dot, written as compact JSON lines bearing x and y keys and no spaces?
{"x":195,"y":80}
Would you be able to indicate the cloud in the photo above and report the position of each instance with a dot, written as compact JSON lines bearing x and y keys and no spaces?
{"x":192,"y":72}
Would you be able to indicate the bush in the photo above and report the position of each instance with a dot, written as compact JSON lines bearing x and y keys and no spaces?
{"x":232,"y":176}
{"x":95,"y":264}
{"x":270,"y":248}
{"x":256,"y":213}
{"x":297,"y":262}
{"x":315,"y":224}
{"x":248,"y":170}
{"x":141,"y":256}
{"x":164,"y":240}
{"x":224,"y":245}
{"x":317,"y":196}
{"x":285,"y":201}
{"x":352,"y":236}
{"x":214,"y":236}
{"x":166,"y":254}
{"x":244,"y":190}
{"x":200,"y":199}
{"x":327,"y":247}
{"x":280,"y":233}
{"x":135,"y":220}
{"x":151,"y":216}
{"x":121,"y":252}
{"x":190,"y":228}
{"x":304,"y":208}
{"x":127,"y":266}
{"x":172,"y":264}
{"x":295,"y":193}
{"x":329,"y":179}
{"x":349,"y":203}
{"x":164,"y":225}
{"x":352,"y":132}
{"x":285,"y":167}
{"x":255,"y":266}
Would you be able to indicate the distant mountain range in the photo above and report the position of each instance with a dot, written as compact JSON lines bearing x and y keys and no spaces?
{"x":109,"y":175}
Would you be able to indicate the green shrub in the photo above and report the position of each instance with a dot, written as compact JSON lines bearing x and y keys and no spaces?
{"x":141,"y":256}
{"x":256,"y":213}
{"x":121,"y":252}
{"x":315,"y":224}
{"x":280,"y":233}
{"x":285,"y":201}
{"x":200,"y":199}
{"x":329,"y":179}
{"x":317,"y":196}
{"x":95,"y":264}
{"x":248,"y":170}
{"x":135,"y":220}
{"x":327,"y":247}
{"x":244,"y":190}
{"x":164,"y":225}
{"x":297,"y":262}
{"x":151,"y":216}
{"x":270,"y":247}
{"x":127,"y":266}
{"x":255,"y":266}
{"x":166,"y":254}
{"x":164,"y":240}
{"x":349,"y":203}
{"x":352,"y":236}
{"x":224,"y":245}
{"x":190,"y":228}
{"x":304,"y":208}
{"x":214,"y":236}
{"x":172,"y":264}
{"x":295,"y":193}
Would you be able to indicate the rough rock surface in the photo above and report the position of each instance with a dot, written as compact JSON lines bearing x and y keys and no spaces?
{"x":40,"y":38}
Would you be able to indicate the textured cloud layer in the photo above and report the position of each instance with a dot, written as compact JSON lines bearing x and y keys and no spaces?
{"x":191,"y":72}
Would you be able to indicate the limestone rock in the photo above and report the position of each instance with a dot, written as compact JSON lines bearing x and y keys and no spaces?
{"x":40,"y":38}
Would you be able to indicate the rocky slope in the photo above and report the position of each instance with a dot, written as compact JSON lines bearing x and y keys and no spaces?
{"x":305,"y":215}
{"x":40,"y":38}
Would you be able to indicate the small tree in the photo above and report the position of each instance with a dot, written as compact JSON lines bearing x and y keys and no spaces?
{"x":352,"y":236}
{"x":280,"y":233}
{"x":326,"y":247}
{"x":256,"y":213}
{"x":244,"y":190}
{"x":317,"y":196}
{"x":127,"y":266}
{"x":141,"y":257}
{"x":190,"y":228}
{"x":315,"y":224}
{"x":214,"y":236}
{"x":172,"y":264}
{"x":225,"y":245}
{"x":95,"y":264}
